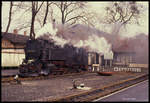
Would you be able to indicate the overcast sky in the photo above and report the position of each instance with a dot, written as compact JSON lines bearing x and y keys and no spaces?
{"x":97,"y":7}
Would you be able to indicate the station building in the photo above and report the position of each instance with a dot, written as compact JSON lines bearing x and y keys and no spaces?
{"x":12,"y":48}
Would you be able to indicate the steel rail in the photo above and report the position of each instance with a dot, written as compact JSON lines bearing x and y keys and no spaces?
{"x":102,"y":91}
{"x":8,"y":79}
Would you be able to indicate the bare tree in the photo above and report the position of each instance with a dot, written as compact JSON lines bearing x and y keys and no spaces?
{"x":123,"y":12}
{"x":51,"y":13}
{"x":25,"y":8}
{"x":70,"y":11}
{"x":35,"y":9}
{"x":10,"y":16}
{"x":46,"y":12}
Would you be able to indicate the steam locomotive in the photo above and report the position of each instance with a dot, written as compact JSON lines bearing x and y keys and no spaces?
{"x":43,"y":57}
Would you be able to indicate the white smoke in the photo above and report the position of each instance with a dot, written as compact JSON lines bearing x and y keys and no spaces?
{"x":58,"y":40}
{"x":94,"y":44}
{"x":51,"y":33}
{"x":47,"y":28}
{"x":80,"y":38}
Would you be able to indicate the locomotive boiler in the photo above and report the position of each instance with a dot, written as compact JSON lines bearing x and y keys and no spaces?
{"x":43,"y":57}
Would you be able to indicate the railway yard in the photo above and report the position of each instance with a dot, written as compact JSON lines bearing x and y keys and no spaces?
{"x":62,"y":57}
{"x":60,"y":88}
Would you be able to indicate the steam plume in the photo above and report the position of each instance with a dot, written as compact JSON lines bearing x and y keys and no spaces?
{"x":94,"y":40}
{"x":63,"y":34}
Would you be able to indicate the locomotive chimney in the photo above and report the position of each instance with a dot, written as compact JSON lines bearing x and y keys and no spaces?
{"x":15,"y":31}
{"x":54,"y":24}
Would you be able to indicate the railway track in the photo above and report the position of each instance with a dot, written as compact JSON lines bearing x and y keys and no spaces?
{"x":9,"y":79}
{"x":100,"y":92}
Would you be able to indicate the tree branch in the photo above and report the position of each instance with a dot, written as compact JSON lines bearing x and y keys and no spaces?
{"x":67,"y":13}
{"x":74,"y":18}
{"x":10,"y":13}
{"x":37,"y":10}
{"x":128,"y":18}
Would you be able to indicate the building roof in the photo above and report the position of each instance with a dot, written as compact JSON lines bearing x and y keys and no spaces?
{"x":15,"y":38}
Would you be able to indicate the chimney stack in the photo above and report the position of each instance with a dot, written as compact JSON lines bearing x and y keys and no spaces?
{"x":15,"y":31}
{"x":25,"y":33}
{"x":53,"y":23}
